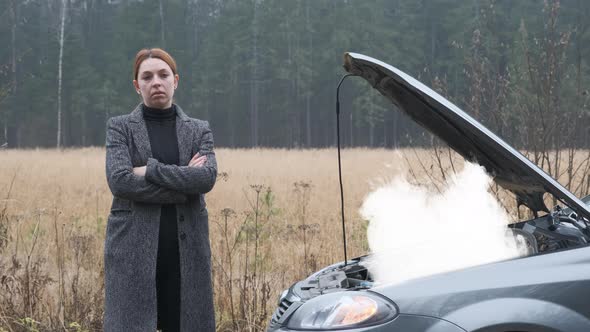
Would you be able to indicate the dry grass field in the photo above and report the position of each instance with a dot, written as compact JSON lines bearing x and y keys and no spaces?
{"x":274,"y":218}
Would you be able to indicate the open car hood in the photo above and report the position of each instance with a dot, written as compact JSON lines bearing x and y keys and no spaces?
{"x":464,"y":134}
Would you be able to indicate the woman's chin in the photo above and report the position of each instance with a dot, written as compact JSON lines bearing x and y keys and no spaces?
{"x":158,"y":104}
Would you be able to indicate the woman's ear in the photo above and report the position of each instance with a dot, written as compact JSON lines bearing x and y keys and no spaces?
{"x":176,"y":78}
{"x":136,"y":85}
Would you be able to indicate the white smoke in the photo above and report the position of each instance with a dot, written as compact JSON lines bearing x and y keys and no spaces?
{"x":414,"y":232}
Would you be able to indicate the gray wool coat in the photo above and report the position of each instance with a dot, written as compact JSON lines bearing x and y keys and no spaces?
{"x":131,"y":243}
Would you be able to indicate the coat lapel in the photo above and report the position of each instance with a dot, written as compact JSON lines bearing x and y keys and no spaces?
{"x":184,"y":134}
{"x":140,"y":136}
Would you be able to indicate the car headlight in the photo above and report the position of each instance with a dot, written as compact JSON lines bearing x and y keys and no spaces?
{"x":339,"y":310}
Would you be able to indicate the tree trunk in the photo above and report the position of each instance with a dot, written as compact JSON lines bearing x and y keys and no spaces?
{"x":371,"y":134}
{"x":162,"y":24}
{"x":59,"y":70}
{"x":10,"y":130}
{"x":371,"y":124}
{"x":296,"y":110}
{"x":395,"y":135}
{"x":309,"y":81}
{"x":351,"y":128}
{"x":192,"y":40}
{"x":385,"y":132}
{"x":232,"y":99}
{"x":254,"y":82}
{"x":292,"y":94}
{"x":83,"y":128}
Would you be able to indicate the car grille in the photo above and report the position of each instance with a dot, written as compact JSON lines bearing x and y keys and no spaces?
{"x":283,"y":306}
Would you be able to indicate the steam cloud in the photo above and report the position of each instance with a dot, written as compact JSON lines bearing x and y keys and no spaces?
{"x":414,"y":232}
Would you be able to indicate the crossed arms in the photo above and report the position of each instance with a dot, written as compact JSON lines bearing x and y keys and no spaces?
{"x":163,"y":184}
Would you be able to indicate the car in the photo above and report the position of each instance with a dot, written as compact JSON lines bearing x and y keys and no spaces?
{"x":548,"y":289}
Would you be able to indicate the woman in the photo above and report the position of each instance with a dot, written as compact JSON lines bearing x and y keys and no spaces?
{"x":159,"y":165}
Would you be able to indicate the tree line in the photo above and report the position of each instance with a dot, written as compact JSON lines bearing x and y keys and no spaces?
{"x":264,"y":72}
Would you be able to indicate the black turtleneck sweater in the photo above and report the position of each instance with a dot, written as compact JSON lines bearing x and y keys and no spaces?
{"x":161,"y":127}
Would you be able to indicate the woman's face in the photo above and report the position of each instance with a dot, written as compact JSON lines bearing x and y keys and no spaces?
{"x":156,"y":83}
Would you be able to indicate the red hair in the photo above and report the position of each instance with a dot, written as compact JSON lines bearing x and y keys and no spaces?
{"x":157,"y":53}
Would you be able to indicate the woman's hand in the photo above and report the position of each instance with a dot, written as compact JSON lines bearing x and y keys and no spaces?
{"x":197,"y":160}
{"x":139,"y":171}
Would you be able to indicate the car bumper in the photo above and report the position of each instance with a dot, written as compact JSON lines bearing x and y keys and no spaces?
{"x":405,"y":323}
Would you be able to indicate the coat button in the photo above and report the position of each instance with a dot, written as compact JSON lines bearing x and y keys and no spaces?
{"x":182,"y":236}
{"x":181,"y":218}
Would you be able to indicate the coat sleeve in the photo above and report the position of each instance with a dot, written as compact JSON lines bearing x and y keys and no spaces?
{"x":122,"y":182}
{"x":186,"y":179}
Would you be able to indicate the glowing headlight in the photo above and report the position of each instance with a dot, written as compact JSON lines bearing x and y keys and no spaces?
{"x":342,"y":310}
